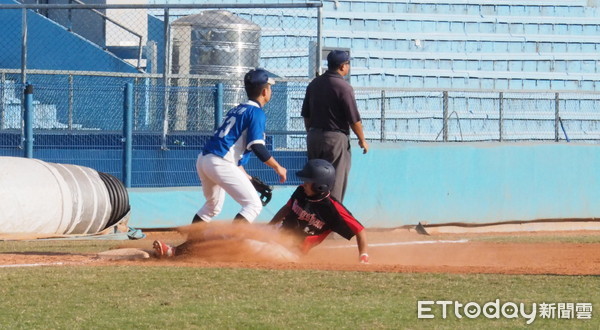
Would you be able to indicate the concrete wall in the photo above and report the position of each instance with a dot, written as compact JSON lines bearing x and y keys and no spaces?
{"x":406,"y":183}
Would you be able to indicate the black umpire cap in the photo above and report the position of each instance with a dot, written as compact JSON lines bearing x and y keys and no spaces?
{"x":337,"y":58}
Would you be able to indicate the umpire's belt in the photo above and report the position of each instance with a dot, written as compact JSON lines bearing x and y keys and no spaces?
{"x":314,"y":129}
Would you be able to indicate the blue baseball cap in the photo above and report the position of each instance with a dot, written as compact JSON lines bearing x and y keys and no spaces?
{"x":337,"y":58}
{"x":258,"y":77}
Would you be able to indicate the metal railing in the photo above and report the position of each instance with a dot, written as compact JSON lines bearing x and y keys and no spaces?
{"x":106,"y":18}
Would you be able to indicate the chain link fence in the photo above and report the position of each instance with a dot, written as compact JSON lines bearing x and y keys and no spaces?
{"x":186,"y":64}
{"x":469,"y":116}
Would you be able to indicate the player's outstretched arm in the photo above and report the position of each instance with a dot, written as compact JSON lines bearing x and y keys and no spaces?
{"x":263,"y":154}
{"x":280,"y":215}
{"x":361,"y":242}
{"x":280,"y":170}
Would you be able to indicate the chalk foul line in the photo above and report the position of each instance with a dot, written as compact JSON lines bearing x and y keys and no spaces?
{"x":41,"y":264}
{"x":401,"y":243}
{"x":32,"y":265}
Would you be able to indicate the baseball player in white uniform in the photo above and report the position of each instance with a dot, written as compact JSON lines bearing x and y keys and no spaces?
{"x":220,"y":164}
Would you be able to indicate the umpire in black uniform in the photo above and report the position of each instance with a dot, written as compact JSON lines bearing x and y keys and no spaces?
{"x":329,"y":110}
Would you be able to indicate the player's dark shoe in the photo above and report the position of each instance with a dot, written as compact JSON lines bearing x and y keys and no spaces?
{"x":162,"y":250}
{"x":240,"y":219}
{"x":197,"y":219}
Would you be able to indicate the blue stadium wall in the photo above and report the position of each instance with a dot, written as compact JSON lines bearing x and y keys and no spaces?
{"x":399,"y":184}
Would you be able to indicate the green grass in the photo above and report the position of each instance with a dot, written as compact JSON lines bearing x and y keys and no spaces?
{"x":60,"y":245}
{"x":143,"y":297}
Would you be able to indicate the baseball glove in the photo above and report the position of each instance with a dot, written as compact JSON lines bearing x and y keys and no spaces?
{"x":263,"y":189}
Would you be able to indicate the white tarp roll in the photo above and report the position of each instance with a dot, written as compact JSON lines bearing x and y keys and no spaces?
{"x":46,"y":198}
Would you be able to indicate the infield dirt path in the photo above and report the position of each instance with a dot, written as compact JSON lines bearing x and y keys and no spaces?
{"x":390,"y":251}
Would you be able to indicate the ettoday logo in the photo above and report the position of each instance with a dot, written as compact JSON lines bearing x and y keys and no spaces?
{"x":428,"y":309}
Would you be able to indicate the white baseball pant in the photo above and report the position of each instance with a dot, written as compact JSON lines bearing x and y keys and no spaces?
{"x":218,"y":176}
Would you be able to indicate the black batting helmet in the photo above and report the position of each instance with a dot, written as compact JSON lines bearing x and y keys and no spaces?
{"x":319,"y":172}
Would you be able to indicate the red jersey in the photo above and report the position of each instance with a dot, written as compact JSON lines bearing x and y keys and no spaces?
{"x":313,"y":218}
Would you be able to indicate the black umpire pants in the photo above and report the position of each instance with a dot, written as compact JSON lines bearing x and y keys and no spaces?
{"x":334,"y":147}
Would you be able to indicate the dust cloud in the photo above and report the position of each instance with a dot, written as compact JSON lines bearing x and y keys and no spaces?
{"x":231,"y":242}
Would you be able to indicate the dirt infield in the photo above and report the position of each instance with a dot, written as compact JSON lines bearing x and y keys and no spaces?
{"x":399,"y":250}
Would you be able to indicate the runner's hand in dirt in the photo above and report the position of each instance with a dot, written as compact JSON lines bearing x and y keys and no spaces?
{"x":364,"y":258}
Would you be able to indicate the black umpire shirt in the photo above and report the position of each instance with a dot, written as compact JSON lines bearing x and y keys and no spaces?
{"x":329,"y":103}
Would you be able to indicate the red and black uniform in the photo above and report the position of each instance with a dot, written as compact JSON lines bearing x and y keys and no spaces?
{"x":313,"y":218}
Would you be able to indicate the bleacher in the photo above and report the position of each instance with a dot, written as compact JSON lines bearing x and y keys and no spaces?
{"x":475,"y":45}
{"x":445,"y":44}
{"x":455,"y":45}
{"x":451,"y":44}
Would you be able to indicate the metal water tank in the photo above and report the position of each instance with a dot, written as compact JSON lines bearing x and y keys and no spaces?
{"x":215,"y":42}
{"x":217,"y":45}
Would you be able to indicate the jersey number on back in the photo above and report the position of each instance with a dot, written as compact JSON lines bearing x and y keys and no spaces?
{"x":226,"y":127}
